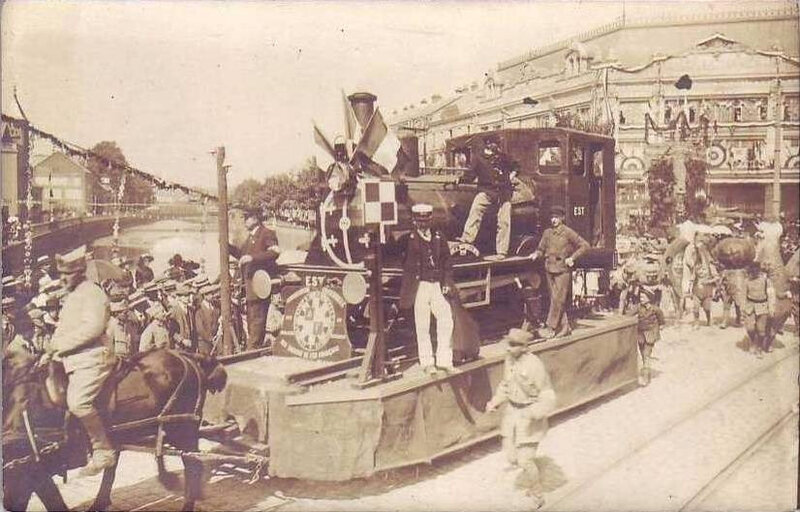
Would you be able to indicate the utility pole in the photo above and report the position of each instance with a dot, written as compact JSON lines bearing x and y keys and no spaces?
{"x":224,"y":274}
{"x":778,"y":124}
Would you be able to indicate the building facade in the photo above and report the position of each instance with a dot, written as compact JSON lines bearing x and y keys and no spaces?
{"x":13,"y":162}
{"x":722,"y":87}
{"x":64,"y":184}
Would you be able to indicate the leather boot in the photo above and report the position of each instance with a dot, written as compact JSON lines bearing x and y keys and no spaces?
{"x":103,"y":454}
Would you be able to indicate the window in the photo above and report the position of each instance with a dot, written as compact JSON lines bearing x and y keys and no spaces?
{"x":667,"y":114}
{"x":576,"y":161}
{"x":737,"y":112}
{"x":549,"y":157}
{"x":692,"y":114}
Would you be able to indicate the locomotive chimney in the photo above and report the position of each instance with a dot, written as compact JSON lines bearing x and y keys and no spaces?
{"x":363,"y":106}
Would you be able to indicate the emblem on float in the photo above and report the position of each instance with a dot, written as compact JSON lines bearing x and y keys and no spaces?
{"x":313,"y":322}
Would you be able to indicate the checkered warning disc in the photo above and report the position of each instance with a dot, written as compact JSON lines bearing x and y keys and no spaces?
{"x":380,"y":205}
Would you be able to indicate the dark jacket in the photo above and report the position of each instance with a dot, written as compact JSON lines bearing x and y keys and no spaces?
{"x":257,"y":245}
{"x":206,"y":321}
{"x":558,"y":244}
{"x":412,"y":267}
{"x":494,"y":175}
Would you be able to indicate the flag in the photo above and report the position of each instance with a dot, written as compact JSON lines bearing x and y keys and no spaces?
{"x":322,"y":141}
{"x":378,"y":143}
{"x":350,"y":124}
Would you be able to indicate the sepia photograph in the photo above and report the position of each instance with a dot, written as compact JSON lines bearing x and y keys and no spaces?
{"x":389,"y":256}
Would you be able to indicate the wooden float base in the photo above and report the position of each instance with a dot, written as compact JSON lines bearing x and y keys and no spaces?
{"x":335,"y":431}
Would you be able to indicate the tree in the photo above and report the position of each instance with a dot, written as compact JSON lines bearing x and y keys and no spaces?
{"x":246,"y":193}
{"x":105,"y":177}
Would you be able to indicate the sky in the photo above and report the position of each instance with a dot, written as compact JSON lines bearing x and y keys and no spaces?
{"x":170,"y":81}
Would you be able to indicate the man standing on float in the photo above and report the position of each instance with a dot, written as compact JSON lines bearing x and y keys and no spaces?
{"x":561,"y":246}
{"x":426,"y":283}
{"x":259,"y":252}
{"x":495,"y":172}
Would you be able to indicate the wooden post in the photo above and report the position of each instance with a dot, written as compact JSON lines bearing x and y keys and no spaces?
{"x":373,"y":366}
{"x":778,"y":157}
{"x":224,"y":274}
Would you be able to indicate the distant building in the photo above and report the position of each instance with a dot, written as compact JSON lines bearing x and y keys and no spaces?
{"x":13,"y":163}
{"x":740,"y":92}
{"x":64,"y":184}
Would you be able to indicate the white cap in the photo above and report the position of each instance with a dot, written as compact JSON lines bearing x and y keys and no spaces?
{"x":421,"y":208}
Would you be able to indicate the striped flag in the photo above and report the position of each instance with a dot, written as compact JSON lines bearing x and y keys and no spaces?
{"x":350,"y":125}
{"x":378,"y":143}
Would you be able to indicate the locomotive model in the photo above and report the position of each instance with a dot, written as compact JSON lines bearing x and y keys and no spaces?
{"x":366,"y":215}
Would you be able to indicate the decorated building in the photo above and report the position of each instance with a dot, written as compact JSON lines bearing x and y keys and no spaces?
{"x":722,"y":87}
{"x":12,"y":166}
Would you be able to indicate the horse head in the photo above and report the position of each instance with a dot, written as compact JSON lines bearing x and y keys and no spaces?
{"x":215,"y":376}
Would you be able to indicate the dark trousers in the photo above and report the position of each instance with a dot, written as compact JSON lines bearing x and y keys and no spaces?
{"x":560,"y":286}
{"x":256,"y":323}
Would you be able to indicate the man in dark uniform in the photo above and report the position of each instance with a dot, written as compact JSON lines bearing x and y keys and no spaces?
{"x":259,"y":252}
{"x":426,"y":283}
{"x":495,"y":173}
{"x":560,"y":246}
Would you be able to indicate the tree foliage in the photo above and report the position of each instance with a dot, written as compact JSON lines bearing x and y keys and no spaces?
{"x":105,"y":178}
{"x":661,"y":187}
{"x":301,"y":188}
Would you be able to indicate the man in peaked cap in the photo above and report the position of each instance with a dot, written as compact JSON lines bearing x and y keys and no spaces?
{"x":79,"y":341}
{"x":426,"y":281}
{"x":496,"y":174}
{"x":560,"y":246}
{"x":206,"y":319}
{"x":259,"y":252}
{"x":527,"y":390}
{"x":155,"y":335}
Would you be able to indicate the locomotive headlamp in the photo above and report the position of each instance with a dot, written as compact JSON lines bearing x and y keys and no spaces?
{"x":354,"y":288}
{"x":337,"y":177}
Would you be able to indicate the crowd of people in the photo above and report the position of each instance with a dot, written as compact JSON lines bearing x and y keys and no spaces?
{"x":747,"y":267}
{"x":179,"y":309}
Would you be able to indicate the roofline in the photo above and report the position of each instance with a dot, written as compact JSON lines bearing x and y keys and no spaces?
{"x":665,"y":21}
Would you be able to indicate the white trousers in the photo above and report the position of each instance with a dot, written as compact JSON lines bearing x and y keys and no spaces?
{"x":480,"y":204}
{"x":431,"y":300}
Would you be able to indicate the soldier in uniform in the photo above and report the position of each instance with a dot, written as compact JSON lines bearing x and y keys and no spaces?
{"x":259,"y":252}
{"x":155,"y":335}
{"x":756,"y":308}
{"x":495,"y":174}
{"x":118,"y":338}
{"x":426,"y":282}
{"x":527,"y":389}
{"x":560,"y":246}
{"x":650,"y":319}
{"x":79,"y":341}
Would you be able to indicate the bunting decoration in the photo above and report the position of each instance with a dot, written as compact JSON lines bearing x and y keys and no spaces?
{"x":27,"y":228}
{"x":77,"y":152}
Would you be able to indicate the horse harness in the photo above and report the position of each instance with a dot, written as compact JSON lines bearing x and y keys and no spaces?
{"x":167,"y":416}
{"x":164,"y":417}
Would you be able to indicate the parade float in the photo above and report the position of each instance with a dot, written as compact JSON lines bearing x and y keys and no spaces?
{"x":340,"y":395}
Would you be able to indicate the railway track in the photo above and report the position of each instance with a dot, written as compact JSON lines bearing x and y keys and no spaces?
{"x":681,"y":464}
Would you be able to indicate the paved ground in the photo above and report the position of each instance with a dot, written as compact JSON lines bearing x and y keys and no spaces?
{"x":701,"y":436}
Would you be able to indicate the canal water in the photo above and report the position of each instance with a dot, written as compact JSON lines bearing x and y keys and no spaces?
{"x":198,"y":241}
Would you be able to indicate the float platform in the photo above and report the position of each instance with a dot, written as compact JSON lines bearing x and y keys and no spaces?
{"x":334,"y":431}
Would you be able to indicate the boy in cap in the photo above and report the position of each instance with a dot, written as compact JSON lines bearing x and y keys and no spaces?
{"x":260,"y":251}
{"x":560,"y":246}
{"x":527,"y":389}
{"x":426,"y":281}
{"x":650,"y":319}
{"x":756,"y":308}
{"x":79,"y":341}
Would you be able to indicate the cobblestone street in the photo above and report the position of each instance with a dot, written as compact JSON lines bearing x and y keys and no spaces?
{"x":714,"y":428}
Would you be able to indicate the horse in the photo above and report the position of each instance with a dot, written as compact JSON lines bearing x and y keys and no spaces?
{"x":150,"y":399}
